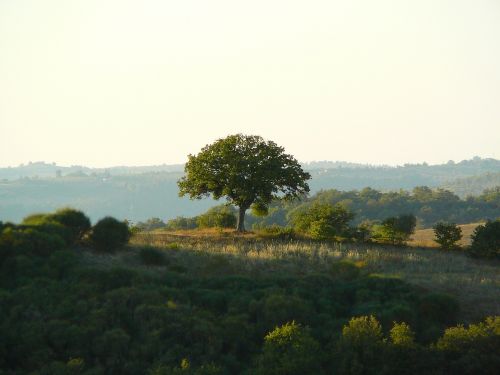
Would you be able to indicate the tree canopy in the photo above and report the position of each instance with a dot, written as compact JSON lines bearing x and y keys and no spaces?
{"x":245,"y":169}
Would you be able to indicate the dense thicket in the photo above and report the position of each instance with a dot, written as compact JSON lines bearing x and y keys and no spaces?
{"x":63,"y":311}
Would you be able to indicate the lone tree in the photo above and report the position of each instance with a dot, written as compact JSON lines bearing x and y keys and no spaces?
{"x":245,"y":169}
{"x":447,"y":235}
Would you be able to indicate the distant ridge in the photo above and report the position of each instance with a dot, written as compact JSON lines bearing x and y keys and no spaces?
{"x":41,"y":169}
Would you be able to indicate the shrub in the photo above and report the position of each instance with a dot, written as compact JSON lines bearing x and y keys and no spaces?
{"x":360,"y":346}
{"x":19,"y":240}
{"x":109,"y":234}
{"x":46,"y":223}
{"x":472,"y":350}
{"x":218,"y":217}
{"x":278,"y":232}
{"x":182,"y":222}
{"x":322,"y":220}
{"x":75,"y":221}
{"x":395,"y":230}
{"x":447,"y":235}
{"x":439,"y":308}
{"x":290,"y":350}
{"x":152,"y":257}
{"x":402,"y":335}
{"x":486,"y":240}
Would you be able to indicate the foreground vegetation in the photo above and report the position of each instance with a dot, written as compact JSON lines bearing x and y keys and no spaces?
{"x":236,"y":304}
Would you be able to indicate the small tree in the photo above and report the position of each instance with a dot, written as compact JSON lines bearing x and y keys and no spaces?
{"x":486,"y":240}
{"x":246,"y":170}
{"x":109,"y":234}
{"x":447,"y":235}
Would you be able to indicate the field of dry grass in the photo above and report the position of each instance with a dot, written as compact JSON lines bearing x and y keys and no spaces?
{"x":475,"y":283}
{"x":425,"y":237}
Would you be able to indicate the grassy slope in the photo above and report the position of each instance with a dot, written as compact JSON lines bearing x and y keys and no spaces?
{"x":475,"y":283}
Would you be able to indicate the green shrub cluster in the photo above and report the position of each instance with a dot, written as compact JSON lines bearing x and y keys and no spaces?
{"x":486,"y":240}
{"x":62,"y":315}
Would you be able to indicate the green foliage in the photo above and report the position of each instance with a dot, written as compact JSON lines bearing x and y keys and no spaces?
{"x":289,"y":349}
{"x":206,"y":314}
{"x":439,"y":308}
{"x":430,"y":206}
{"x":152,"y":257}
{"x":402,"y":335}
{"x":68,"y":223}
{"x":472,"y":350}
{"x":447,"y":235}
{"x":322,"y":221}
{"x":181,"y":222}
{"x":75,"y":221}
{"x":358,"y":350}
{"x":277,"y":232}
{"x":486,"y":240}
{"x":109,"y":234}
{"x":245,"y":170}
{"x":150,"y":224}
{"x":395,"y":230}
{"x":217,"y":217}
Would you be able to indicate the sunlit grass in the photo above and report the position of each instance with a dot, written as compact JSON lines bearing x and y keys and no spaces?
{"x":475,"y":283}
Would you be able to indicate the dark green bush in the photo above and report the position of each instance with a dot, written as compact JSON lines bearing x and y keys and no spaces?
{"x":152,"y":257}
{"x":109,"y":234}
{"x":486,"y":240}
{"x":439,"y":307}
{"x":75,"y":221}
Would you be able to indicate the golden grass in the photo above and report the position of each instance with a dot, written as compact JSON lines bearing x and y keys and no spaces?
{"x":425,"y":237}
{"x":475,"y":283}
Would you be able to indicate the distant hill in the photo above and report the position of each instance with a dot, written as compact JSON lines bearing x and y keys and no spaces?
{"x":473,"y":185}
{"x":139,"y":193}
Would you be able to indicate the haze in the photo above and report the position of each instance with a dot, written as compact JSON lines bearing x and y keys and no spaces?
{"x":146,"y":82}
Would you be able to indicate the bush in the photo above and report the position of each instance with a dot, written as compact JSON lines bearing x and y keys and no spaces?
{"x":75,"y":221}
{"x":152,"y":257}
{"x":19,"y":240}
{"x":290,"y":350}
{"x":438,"y":307}
{"x":486,"y":240}
{"x":109,"y":234}
{"x":360,"y":346}
{"x":322,"y":220}
{"x":218,"y":217}
{"x":447,"y":235}
{"x":182,"y":222}
{"x":278,"y":232}
{"x":395,"y":230}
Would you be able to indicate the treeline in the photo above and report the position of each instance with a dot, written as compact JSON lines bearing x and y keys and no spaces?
{"x":430,"y":206}
{"x":368,"y":205}
{"x":66,"y":309}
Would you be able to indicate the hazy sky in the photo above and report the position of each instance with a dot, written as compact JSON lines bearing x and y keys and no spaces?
{"x":117,"y":82}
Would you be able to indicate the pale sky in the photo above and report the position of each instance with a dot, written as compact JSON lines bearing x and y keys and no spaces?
{"x":117,"y":82}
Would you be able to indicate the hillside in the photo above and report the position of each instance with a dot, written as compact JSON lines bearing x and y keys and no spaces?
{"x":139,"y":193}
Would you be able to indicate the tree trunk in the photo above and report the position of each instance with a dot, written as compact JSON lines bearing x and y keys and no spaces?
{"x":240,"y":226}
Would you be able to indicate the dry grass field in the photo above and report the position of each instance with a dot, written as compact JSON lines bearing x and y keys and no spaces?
{"x":425,"y":237}
{"x":475,"y":283}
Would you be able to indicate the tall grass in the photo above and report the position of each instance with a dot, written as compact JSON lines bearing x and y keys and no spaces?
{"x":475,"y":283}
